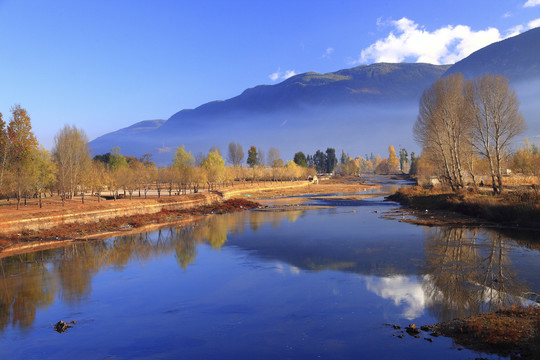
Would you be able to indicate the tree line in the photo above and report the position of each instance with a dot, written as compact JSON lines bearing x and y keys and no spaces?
{"x":29,"y":170}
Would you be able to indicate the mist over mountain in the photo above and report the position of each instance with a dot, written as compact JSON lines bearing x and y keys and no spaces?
{"x":353,"y":109}
{"x":360,"y":110}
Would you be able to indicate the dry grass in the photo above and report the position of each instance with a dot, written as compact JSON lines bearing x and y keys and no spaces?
{"x":505,"y":328}
{"x":521,"y":180}
{"x":520,"y":207}
{"x":513,"y":332}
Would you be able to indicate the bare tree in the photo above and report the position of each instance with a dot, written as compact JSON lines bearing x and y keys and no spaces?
{"x":236,"y":154}
{"x":260,"y":156}
{"x":72,"y":156}
{"x":443,"y":127}
{"x":273,"y":158}
{"x":494,"y":109}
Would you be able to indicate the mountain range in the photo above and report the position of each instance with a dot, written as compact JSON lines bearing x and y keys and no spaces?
{"x":362,"y":109}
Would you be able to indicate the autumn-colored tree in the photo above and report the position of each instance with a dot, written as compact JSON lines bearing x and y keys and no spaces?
{"x":169,"y":178}
{"x":96,"y":178}
{"x":43,"y":172}
{"x":393,"y":161}
{"x":350,"y":167}
{"x":4,"y":151}
{"x":200,"y":177}
{"x":382,"y":167}
{"x":214,"y":166}
{"x":183,"y":165}
{"x":526,"y":159}
{"x":23,"y":143}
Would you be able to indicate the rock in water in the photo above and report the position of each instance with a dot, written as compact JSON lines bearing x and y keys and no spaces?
{"x":62,"y":327}
{"x":412,"y":330}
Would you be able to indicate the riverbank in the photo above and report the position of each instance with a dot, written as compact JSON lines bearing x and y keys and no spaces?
{"x":33,"y":228}
{"x":513,"y":332}
{"x":513,"y":209}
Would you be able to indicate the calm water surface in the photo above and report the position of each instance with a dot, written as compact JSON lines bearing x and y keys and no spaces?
{"x":266,"y":285}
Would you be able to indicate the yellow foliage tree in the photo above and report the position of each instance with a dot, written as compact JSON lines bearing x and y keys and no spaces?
{"x":393,"y":161}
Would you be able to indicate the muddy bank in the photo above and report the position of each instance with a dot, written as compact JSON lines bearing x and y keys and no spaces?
{"x":57,"y":236}
{"x":469,"y":208}
{"x":511,"y":332}
{"x":43,"y":228}
{"x":35,"y":220}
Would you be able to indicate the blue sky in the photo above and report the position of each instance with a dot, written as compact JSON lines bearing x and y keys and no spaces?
{"x":104,"y":65}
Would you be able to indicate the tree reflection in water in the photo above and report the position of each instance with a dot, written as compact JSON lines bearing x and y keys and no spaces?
{"x":469,"y":272}
{"x":31,"y":281}
{"x":465,"y":272}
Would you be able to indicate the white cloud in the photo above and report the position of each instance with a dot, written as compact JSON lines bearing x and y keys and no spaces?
{"x":507,"y":15}
{"x":274,"y":76}
{"x":534,"y":23}
{"x":516,"y":30}
{"x":410,"y":42}
{"x":164,"y":149}
{"x":288,"y":74}
{"x":329,"y":51}
{"x":531,"y":3}
{"x":281,"y":75}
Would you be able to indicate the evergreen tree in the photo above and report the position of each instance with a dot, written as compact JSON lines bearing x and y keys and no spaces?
{"x":403,"y":159}
{"x":252,"y":159}
{"x":331,"y":160}
{"x":344,"y":158}
{"x":300,"y":159}
{"x":319,"y":160}
{"x":309,"y":161}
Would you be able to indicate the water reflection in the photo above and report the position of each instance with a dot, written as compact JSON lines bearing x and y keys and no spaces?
{"x":462,"y":271}
{"x":30,"y":282}
{"x":469,"y":272}
{"x":26,"y":285}
{"x":402,"y":290}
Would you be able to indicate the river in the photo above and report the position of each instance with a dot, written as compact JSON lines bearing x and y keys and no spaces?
{"x":291,"y":284}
